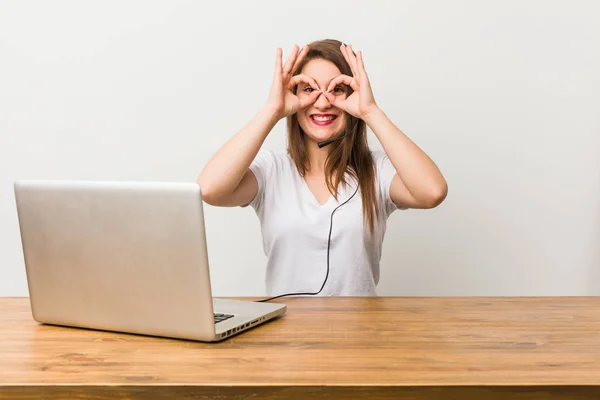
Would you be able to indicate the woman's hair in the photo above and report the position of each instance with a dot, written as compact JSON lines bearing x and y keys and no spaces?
{"x":351,"y":154}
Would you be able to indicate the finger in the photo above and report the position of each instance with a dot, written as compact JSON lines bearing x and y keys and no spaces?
{"x":278,"y":59}
{"x":297,"y":79}
{"x":307,"y":101}
{"x":361,"y":64}
{"x":277,"y":73}
{"x":290,"y":62}
{"x":353,"y":62}
{"x":343,"y":79}
{"x":344,"y":50}
{"x":300,"y":58}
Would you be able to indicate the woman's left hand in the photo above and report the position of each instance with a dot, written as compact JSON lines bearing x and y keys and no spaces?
{"x":361,"y":102}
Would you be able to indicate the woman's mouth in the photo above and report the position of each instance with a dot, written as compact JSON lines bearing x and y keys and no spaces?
{"x":322,"y":119}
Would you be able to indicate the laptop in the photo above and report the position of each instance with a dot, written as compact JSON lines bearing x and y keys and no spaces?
{"x":126,"y":257}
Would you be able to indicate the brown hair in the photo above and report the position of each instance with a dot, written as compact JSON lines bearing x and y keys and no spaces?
{"x":351,"y":155}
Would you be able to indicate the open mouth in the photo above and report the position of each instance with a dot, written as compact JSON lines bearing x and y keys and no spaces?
{"x":323,"y":119}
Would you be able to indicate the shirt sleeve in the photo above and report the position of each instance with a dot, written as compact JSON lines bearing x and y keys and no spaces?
{"x":385,"y":174}
{"x":261,"y":167}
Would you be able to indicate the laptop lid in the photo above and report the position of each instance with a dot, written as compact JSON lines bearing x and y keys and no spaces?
{"x":121,"y":256}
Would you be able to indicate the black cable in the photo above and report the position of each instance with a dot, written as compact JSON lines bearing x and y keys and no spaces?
{"x":323,"y":144}
{"x":328,"y":247}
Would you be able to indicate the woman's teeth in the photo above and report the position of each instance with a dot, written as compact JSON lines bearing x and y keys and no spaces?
{"x":327,"y":118}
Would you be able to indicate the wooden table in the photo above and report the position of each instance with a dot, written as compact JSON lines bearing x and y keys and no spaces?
{"x":347,"y":348}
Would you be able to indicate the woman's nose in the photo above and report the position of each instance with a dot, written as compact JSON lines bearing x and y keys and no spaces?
{"x":322,"y":102}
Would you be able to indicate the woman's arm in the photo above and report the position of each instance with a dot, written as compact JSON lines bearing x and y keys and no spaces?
{"x":226,"y":180}
{"x":419,"y":183}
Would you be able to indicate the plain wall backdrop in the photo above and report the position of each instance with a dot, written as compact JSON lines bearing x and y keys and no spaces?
{"x":503,"y":95}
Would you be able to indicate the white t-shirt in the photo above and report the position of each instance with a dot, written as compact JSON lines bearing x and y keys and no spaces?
{"x":295,"y":229}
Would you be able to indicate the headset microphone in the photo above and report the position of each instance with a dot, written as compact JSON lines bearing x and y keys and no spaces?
{"x":326,"y":142}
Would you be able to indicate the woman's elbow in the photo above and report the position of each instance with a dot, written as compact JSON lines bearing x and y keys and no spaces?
{"x":436,"y":195}
{"x":208,"y":192}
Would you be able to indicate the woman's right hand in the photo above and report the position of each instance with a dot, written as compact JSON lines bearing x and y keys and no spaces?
{"x":282,"y":101}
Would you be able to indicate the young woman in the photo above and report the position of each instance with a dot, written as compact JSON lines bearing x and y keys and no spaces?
{"x":325,"y":94}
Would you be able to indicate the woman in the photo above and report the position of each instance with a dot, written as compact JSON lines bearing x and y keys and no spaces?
{"x":325,"y":94}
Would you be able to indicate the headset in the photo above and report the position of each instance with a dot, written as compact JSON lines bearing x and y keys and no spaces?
{"x":321,"y":145}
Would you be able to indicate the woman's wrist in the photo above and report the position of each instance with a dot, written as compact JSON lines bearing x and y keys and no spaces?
{"x":270,"y":114}
{"x":373,"y":115}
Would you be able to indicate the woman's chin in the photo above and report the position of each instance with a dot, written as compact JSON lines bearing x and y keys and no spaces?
{"x":321,"y":135}
{"x":320,"y":138}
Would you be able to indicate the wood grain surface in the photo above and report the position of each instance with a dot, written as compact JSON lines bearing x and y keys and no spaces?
{"x":377,"y":348}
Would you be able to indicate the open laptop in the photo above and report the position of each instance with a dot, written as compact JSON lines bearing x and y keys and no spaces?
{"x":126,"y":257}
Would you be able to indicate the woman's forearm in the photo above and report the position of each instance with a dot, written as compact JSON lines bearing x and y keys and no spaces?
{"x":224,"y":171}
{"x":418,"y":172}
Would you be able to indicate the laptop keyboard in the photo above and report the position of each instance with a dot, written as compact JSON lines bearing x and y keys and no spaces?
{"x":221,"y":317}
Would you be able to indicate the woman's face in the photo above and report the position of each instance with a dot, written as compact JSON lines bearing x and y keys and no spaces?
{"x":321,"y":121}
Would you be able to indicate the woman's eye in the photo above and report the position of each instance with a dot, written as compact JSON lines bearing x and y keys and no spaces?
{"x":339,"y":89}
{"x":308,"y":89}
